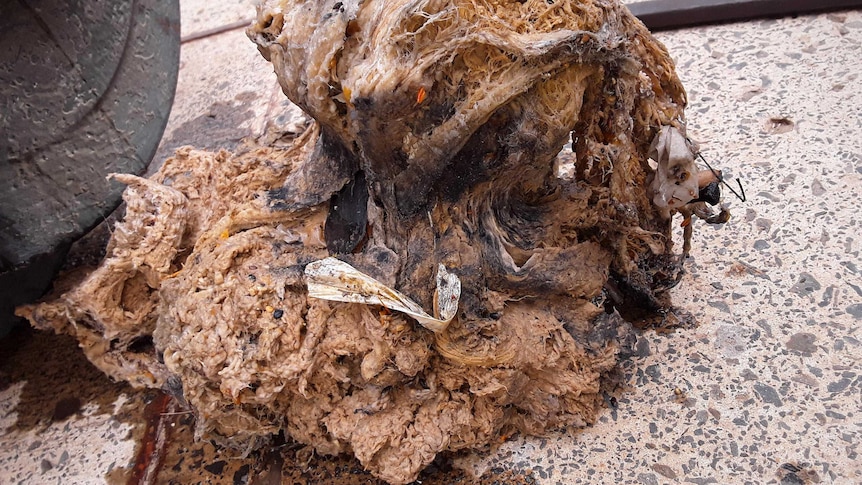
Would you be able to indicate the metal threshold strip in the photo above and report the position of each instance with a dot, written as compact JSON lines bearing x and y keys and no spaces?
{"x":673,"y":14}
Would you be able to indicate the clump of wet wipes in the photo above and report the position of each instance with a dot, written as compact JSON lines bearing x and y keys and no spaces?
{"x":410,"y":276}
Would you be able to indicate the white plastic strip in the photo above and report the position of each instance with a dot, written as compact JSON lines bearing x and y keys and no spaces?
{"x":334,"y":280}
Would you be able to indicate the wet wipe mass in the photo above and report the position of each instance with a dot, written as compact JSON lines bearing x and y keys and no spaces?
{"x":425,"y":268}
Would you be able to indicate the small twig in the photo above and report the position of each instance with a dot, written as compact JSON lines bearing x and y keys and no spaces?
{"x":215,"y":31}
{"x":750,"y":267}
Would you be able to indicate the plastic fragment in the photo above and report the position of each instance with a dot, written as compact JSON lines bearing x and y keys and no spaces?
{"x":675,"y":183}
{"x":334,"y":280}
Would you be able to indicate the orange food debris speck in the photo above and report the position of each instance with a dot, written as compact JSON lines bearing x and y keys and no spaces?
{"x":421,"y":95}
{"x":346,"y":92}
{"x":224,"y":234}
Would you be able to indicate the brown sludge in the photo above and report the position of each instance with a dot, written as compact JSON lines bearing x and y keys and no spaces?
{"x":438,"y":128}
